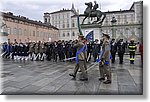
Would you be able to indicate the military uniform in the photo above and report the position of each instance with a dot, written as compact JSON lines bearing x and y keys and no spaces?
{"x":36,"y":51}
{"x":48,"y":51}
{"x":121,"y":46}
{"x":113,"y":50}
{"x":132,"y":48}
{"x":81,"y":61}
{"x":104,"y":65}
{"x":41,"y":51}
{"x":31,"y":50}
{"x":96,"y":50}
{"x":55,"y":51}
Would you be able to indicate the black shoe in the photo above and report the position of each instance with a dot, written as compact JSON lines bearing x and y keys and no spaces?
{"x":84,"y":79}
{"x":72,"y":75}
{"x":79,"y":71}
{"x":107,"y":82}
{"x":100,"y":79}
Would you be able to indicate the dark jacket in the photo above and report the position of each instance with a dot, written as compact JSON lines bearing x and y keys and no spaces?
{"x":121,"y":46}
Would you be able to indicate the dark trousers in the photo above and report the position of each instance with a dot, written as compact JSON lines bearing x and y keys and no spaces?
{"x":113,"y":56}
{"x":95,"y":55}
{"x":132,"y":55}
{"x":120,"y":57}
{"x":41,"y":56}
{"x":55,"y":56}
{"x":60,"y":55}
{"x":48,"y":56}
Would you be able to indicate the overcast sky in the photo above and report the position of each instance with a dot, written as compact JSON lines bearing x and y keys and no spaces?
{"x":34,"y":9}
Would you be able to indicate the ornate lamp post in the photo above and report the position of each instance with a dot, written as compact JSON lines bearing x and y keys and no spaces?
{"x":113,"y":22}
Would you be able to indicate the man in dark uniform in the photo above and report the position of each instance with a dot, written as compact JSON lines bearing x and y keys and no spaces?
{"x":121,"y":46}
{"x":42,"y":51}
{"x":89,"y":51}
{"x":70,"y":50}
{"x":31,"y":50}
{"x":113,"y":49}
{"x":55,"y":51}
{"x":25,"y":50}
{"x":96,"y":50}
{"x":132,"y":48}
{"x":59,"y":47}
{"x":36,"y":51}
{"x":48,"y":51}
{"x":63,"y":50}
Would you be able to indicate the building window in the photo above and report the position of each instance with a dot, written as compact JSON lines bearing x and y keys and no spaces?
{"x":33,"y":33}
{"x":4,"y":29}
{"x":9,"y":30}
{"x":68,"y":34}
{"x":45,"y":20}
{"x":20,"y":31}
{"x":125,"y":18}
{"x":67,"y":15}
{"x":25,"y":31}
{"x":63,"y":34}
{"x":118,"y":18}
{"x":37,"y":33}
{"x":30,"y":32}
{"x":15,"y":31}
{"x":73,"y":34}
{"x":73,"y":25}
{"x":59,"y":16}
{"x":63,"y":25}
{"x":68,"y":25}
{"x":132,"y":17}
{"x":41,"y":34}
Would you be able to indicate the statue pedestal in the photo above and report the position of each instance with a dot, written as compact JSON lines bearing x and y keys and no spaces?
{"x":97,"y":28}
{"x":91,"y":26}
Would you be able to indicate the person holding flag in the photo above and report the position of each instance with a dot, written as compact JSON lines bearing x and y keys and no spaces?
{"x":80,"y":59}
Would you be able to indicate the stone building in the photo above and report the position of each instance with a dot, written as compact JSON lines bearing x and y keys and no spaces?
{"x":129,"y":23}
{"x":24,"y":30}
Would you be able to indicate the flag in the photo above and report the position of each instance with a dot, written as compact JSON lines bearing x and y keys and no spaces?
{"x":90,"y":36}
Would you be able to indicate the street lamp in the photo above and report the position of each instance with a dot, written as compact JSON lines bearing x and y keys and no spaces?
{"x":113,"y":22}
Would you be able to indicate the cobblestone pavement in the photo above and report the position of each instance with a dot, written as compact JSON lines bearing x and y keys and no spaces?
{"x":36,"y":77}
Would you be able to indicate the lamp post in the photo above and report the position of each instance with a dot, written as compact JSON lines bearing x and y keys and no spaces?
{"x":113,"y":22}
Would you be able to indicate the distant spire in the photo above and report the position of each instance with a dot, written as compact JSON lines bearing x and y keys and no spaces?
{"x":72,"y":7}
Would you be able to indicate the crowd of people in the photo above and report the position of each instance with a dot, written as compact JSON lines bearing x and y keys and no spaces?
{"x":61,"y":50}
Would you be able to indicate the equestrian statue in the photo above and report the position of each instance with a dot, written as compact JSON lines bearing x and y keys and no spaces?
{"x":91,"y":11}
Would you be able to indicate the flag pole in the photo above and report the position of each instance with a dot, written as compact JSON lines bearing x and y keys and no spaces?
{"x":79,"y":26}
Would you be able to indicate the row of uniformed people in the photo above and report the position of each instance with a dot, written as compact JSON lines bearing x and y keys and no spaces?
{"x":53,"y":50}
{"x":121,"y":47}
{"x":64,"y":49}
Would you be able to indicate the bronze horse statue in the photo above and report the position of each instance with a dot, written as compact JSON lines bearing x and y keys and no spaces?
{"x":89,"y":12}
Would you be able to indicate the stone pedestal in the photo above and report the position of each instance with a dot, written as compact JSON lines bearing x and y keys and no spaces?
{"x":95,"y":27}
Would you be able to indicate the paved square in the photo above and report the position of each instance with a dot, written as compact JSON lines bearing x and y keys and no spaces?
{"x":36,"y":77}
